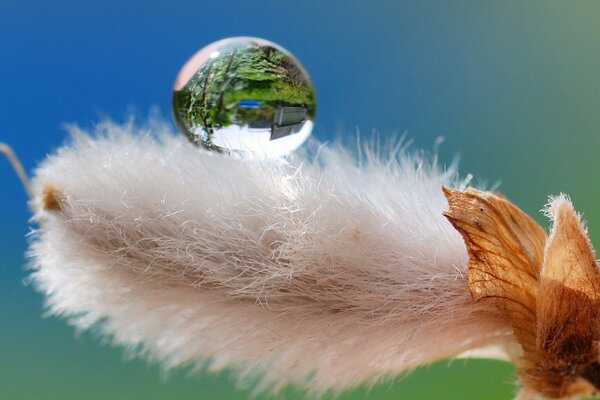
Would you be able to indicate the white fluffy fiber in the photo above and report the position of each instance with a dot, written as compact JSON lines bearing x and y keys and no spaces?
{"x":320,"y":271}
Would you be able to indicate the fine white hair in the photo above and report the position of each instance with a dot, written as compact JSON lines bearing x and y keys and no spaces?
{"x":320,"y":270}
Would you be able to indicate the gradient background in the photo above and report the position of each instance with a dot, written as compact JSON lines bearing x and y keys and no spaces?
{"x":514,"y":87}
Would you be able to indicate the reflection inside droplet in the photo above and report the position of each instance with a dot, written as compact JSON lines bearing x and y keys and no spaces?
{"x":244,"y":96}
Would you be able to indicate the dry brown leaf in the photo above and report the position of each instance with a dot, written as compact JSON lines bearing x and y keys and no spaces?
{"x":550,"y":296}
{"x":506,"y":249}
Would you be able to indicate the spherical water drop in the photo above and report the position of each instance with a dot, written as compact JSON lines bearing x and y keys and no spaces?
{"x":244,"y":96}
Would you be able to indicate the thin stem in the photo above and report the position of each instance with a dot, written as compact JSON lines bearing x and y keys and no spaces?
{"x":17,"y":166}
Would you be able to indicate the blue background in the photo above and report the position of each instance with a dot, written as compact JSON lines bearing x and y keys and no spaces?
{"x":513,"y":86}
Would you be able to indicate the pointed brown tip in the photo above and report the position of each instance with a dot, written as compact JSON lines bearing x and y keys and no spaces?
{"x":448,"y":192}
{"x":451,"y":198}
{"x":448,"y":215}
{"x":51,"y":198}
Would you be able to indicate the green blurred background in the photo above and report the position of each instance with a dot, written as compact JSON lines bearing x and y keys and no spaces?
{"x":513,"y":86}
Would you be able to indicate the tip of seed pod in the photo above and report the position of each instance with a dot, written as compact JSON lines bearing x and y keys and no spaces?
{"x":447,"y":191}
{"x":50,"y":198}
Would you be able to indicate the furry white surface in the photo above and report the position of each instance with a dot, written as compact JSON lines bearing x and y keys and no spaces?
{"x":320,"y":271}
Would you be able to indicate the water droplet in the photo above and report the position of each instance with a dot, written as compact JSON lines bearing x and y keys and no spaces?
{"x":244,"y":96}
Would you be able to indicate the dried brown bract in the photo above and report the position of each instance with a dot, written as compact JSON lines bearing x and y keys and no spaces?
{"x":547,"y":287}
